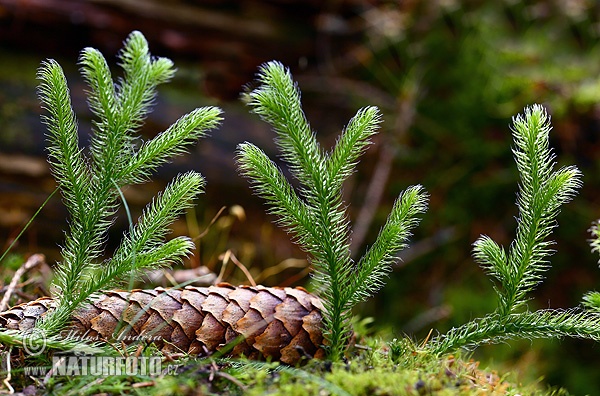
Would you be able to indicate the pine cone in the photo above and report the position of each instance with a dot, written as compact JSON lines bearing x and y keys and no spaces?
{"x":281,"y":323}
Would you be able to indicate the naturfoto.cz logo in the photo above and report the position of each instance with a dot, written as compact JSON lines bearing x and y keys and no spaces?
{"x":103,"y":366}
{"x":80,"y":359}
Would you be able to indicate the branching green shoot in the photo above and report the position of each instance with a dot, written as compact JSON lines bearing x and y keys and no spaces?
{"x":541,"y":193}
{"x":315,"y":213}
{"x":90,"y":182}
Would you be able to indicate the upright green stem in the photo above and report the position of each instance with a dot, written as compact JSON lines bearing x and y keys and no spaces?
{"x":90,"y":185}
{"x":319,"y":219}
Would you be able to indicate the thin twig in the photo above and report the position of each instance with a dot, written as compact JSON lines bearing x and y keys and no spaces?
{"x":143,"y":384}
{"x":6,"y":381}
{"x":426,"y":339}
{"x":375,"y":191}
{"x":50,"y":373}
{"x":82,"y":390}
{"x":232,"y":379}
{"x":31,"y":262}
{"x":215,"y":217}
{"x":296,"y":277}
{"x":381,"y":174}
{"x":244,"y":269}
{"x":225,"y":257}
{"x":282,"y":266}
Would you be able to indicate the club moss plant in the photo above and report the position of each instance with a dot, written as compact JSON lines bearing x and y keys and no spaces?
{"x":315,"y":213}
{"x":519,"y":271}
{"x":91,"y":182}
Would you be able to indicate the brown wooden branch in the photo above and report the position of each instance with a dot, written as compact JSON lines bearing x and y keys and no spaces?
{"x":263,"y":322}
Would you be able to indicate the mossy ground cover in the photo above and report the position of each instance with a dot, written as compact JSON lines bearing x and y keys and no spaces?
{"x":367,"y":373}
{"x":374,"y":366}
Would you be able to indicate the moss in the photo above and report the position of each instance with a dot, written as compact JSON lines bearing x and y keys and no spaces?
{"x":374,"y":373}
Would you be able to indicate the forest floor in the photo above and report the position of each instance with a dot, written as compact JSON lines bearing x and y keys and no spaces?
{"x":370,"y":371}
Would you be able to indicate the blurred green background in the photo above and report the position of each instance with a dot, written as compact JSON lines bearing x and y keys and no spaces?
{"x":448,"y":76}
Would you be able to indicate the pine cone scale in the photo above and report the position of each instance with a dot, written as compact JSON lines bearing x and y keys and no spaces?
{"x":189,"y":319}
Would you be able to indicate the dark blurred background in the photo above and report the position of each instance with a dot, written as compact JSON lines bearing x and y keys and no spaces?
{"x":448,"y":76}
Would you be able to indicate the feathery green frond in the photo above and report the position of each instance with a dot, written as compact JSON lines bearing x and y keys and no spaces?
{"x":71,"y":172}
{"x":142,"y":74}
{"x":591,"y":301}
{"x":377,"y":262}
{"x":352,"y":144}
{"x":57,"y":343}
{"x":316,"y":215}
{"x":595,"y":241}
{"x":154,"y":223}
{"x":101,"y":96}
{"x":66,"y":158}
{"x":91,"y":189}
{"x":172,"y":142}
{"x":495,"y":329}
{"x":115,"y":271}
{"x":492,"y":258}
{"x":541,"y":193}
{"x":270,"y":183}
{"x":277,"y":101}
